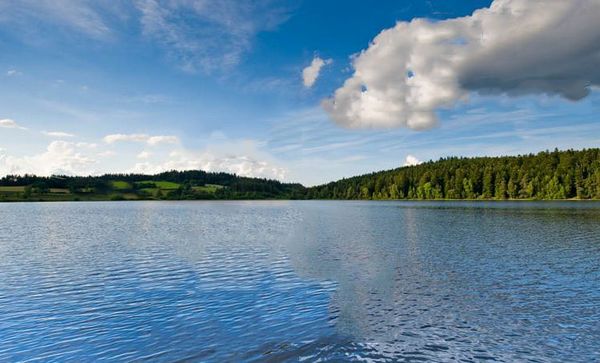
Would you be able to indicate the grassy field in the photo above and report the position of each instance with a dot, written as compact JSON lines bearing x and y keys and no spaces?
{"x":12,"y":189}
{"x":208,"y":188}
{"x":50,"y":197}
{"x":120,"y":190}
{"x":164,"y":185}
{"x":120,"y":185}
{"x":59,"y":190}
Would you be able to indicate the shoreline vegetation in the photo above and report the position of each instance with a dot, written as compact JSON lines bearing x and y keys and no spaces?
{"x":548,"y":175}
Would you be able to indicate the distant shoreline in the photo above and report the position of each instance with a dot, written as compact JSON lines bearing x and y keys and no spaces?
{"x":33,"y":200}
{"x":547,"y":175}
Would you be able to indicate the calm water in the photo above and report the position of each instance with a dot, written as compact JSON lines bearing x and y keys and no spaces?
{"x":273,"y":281}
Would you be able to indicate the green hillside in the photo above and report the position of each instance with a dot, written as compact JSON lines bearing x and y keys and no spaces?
{"x":173,"y":185}
{"x":546,"y":175}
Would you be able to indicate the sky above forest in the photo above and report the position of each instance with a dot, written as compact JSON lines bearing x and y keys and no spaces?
{"x":302,"y":91}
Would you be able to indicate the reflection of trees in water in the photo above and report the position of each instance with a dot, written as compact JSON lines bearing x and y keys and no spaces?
{"x":370,"y":255}
{"x":414,"y":278}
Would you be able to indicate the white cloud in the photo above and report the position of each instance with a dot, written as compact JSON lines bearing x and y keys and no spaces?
{"x":155,"y":140}
{"x":150,"y":140}
{"x":57,"y":134}
{"x":110,"y":139}
{"x":411,"y":161}
{"x":514,"y":47}
{"x":242,"y":157}
{"x":88,"y":145}
{"x":13,"y":72}
{"x":144,"y":155}
{"x":311,"y":73}
{"x":237,"y":164}
{"x":10,"y":124}
{"x":60,"y":157}
{"x":150,"y":99}
{"x":107,"y":154}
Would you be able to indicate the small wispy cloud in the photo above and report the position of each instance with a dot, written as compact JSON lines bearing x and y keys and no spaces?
{"x":144,"y":155}
{"x":155,"y":140}
{"x":60,"y":134}
{"x":149,"y":99}
{"x":83,"y":17}
{"x":13,"y":73}
{"x":110,"y":139}
{"x":195,"y":35}
{"x":207,"y":35}
{"x":10,"y":124}
{"x":143,"y":138}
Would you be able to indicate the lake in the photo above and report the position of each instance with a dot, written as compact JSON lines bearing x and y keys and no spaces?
{"x":301,"y":280}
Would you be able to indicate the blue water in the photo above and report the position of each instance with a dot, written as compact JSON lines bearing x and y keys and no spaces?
{"x":300,"y":281}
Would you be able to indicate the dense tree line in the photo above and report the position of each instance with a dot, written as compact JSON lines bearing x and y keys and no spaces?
{"x":234,"y":187}
{"x":546,"y":175}
{"x":240,"y":188}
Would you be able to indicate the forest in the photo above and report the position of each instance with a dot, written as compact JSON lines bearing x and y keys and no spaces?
{"x":554,"y":174}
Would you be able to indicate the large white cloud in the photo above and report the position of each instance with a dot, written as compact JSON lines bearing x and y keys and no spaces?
{"x":236,"y":164}
{"x":514,"y":47}
{"x":60,"y":157}
{"x":242,"y":157}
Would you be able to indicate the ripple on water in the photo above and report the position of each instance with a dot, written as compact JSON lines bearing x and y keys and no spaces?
{"x":299,"y":281}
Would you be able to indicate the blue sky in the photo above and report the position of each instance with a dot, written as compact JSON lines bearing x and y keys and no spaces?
{"x":91,"y":87}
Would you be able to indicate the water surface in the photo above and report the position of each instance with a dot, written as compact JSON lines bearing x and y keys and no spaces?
{"x":256,"y":281}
